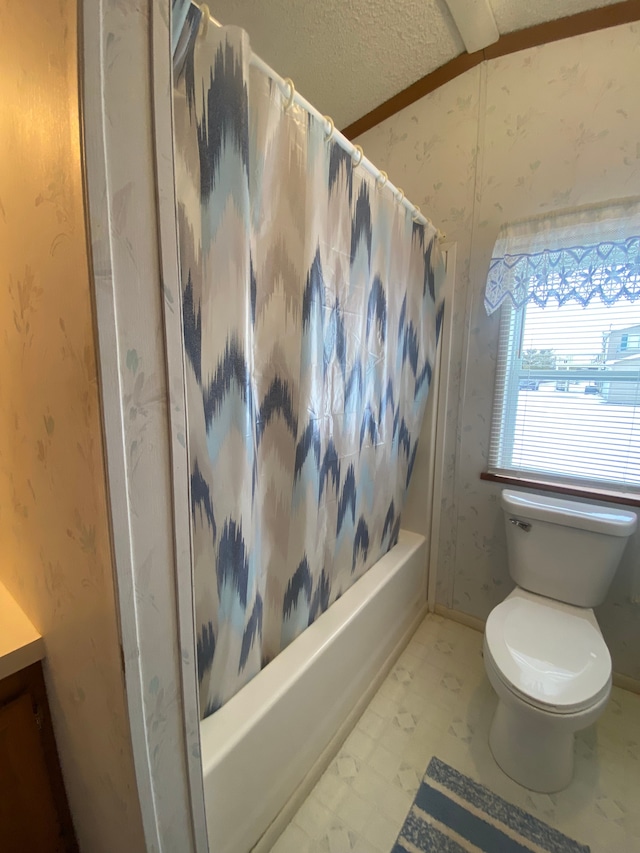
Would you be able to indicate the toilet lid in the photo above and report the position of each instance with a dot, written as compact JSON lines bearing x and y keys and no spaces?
{"x":551,"y":653}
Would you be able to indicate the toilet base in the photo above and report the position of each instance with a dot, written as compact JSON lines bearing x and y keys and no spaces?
{"x":533,"y":752}
{"x":535,"y":747}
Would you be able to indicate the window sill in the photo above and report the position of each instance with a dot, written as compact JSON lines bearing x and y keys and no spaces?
{"x":559,"y":488}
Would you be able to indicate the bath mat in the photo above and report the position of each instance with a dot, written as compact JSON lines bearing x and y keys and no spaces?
{"x":453,"y":814}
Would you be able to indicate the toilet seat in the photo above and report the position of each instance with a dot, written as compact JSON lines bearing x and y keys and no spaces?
{"x":550,"y":654}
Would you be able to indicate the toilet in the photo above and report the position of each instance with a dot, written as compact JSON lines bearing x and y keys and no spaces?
{"x":543,"y":650}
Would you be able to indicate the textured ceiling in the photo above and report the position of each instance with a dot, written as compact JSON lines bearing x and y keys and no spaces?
{"x":348,"y":57}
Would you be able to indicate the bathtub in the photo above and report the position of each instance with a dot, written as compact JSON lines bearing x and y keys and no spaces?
{"x":264,"y":750}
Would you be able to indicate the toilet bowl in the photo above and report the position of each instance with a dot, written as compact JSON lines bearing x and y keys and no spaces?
{"x":551,"y":669}
{"x":544,"y":652}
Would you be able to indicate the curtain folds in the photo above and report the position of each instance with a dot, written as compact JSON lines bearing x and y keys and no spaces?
{"x":185,"y":22}
{"x":566,"y":256}
{"x":310,"y":306}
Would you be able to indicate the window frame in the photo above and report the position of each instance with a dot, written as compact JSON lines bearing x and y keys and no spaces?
{"x":503,"y":421}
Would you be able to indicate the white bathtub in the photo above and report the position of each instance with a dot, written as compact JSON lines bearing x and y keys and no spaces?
{"x":264,"y":749}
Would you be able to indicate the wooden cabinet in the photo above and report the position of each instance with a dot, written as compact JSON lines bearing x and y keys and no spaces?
{"x":34,"y":815}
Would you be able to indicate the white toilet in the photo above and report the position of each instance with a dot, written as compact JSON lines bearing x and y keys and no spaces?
{"x":543,"y":650}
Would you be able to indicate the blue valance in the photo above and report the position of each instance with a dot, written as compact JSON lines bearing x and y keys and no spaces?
{"x":573,"y":255}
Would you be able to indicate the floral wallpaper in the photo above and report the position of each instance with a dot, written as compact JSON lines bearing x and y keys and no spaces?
{"x":56,"y":554}
{"x":543,"y":129}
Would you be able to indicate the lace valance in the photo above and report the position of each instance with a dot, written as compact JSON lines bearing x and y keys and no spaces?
{"x":568,"y":256}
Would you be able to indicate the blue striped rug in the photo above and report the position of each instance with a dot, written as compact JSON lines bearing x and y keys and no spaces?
{"x":453,"y":814}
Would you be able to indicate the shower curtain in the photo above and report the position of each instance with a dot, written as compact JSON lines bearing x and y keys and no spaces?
{"x":310,"y":306}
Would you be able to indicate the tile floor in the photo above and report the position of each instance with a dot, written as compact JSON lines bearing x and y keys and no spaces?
{"x":437,"y":701}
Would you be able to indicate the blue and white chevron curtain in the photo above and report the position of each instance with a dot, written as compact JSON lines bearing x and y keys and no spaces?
{"x":310,"y":307}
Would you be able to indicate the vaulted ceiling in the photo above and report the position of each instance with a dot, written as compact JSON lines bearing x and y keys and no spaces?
{"x":348,"y":56}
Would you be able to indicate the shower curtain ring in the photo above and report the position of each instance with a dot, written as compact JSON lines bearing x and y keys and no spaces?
{"x":204,"y":23}
{"x":358,"y":150}
{"x":332,"y":127}
{"x":416,"y":213}
{"x":292,"y":90}
{"x":400,"y":196}
{"x":380,"y":184}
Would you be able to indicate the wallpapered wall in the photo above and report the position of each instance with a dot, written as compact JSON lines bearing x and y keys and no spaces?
{"x":54,"y":534}
{"x":547,"y":128}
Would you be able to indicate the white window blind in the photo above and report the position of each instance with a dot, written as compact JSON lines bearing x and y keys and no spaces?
{"x":567,"y":397}
{"x":568,"y":393}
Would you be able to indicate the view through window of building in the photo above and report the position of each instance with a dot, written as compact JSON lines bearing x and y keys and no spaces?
{"x":567,"y":403}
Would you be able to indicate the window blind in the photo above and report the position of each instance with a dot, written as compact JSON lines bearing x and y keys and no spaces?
{"x":567,"y":405}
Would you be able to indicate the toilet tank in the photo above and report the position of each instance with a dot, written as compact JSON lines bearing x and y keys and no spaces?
{"x":563,"y":549}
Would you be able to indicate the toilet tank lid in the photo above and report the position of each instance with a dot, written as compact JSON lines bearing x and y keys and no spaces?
{"x":599,"y":519}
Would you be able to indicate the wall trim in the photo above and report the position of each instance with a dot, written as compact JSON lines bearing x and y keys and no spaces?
{"x":98,"y":214}
{"x":574,"y":25}
{"x":129,"y":200}
{"x":625,"y":682}
{"x":441,"y":442}
{"x":168,"y":257}
{"x":459,"y":616}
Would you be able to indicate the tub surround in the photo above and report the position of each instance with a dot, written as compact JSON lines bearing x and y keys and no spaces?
{"x":20,"y":643}
{"x":273,"y":739}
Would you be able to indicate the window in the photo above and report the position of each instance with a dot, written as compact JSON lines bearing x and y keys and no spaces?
{"x":567,"y":397}
{"x":630,"y":342}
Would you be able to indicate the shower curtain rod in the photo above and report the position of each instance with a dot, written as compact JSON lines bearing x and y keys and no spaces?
{"x":355,"y":151}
